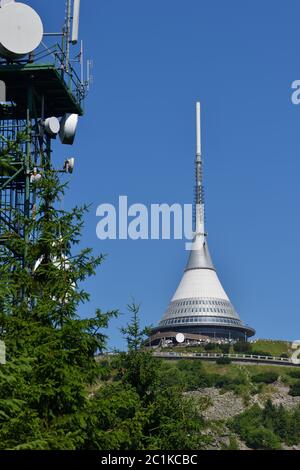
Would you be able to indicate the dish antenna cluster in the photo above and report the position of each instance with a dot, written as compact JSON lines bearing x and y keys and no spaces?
{"x":66,"y":128}
{"x":42,"y":89}
{"x":21,"y":33}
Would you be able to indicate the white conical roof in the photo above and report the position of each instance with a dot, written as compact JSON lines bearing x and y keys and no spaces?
{"x":200,"y":297}
{"x":200,"y":283}
{"x":200,"y":279}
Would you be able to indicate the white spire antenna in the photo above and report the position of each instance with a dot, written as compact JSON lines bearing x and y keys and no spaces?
{"x":199,"y":197}
{"x":198,"y":130}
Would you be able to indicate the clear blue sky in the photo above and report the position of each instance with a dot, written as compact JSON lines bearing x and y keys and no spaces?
{"x":153,"y":60}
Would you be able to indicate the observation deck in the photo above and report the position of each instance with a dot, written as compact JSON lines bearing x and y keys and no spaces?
{"x":48,"y":82}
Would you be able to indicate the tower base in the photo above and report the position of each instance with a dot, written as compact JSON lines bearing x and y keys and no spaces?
{"x":198,"y":334}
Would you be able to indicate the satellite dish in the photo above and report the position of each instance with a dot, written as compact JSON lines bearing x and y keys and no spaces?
{"x":21,"y":30}
{"x":35,"y":177}
{"x":69,"y":165}
{"x":180,"y":338}
{"x":68,"y":127}
{"x":52,"y":126}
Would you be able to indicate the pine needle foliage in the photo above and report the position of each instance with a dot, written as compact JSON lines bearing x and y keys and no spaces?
{"x":50,"y":349}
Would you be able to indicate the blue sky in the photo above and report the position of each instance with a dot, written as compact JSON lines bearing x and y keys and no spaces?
{"x":152,"y":61}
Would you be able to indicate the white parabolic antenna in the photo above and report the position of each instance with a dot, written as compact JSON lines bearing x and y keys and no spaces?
{"x":52,"y":126}
{"x":180,"y":338}
{"x":68,"y":127}
{"x":21,"y":30}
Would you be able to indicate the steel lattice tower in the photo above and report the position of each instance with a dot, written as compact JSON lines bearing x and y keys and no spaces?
{"x":39,"y":86}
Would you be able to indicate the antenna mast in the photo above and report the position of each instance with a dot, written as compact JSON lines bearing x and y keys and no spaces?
{"x":199,"y":192}
{"x":67,"y":31}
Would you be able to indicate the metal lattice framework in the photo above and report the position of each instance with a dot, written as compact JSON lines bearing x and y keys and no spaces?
{"x":48,"y":82}
{"x":39,"y":85}
{"x":12,"y":179}
{"x":33,"y":92}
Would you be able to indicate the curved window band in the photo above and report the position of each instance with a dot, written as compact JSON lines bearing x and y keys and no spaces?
{"x":207,"y":320}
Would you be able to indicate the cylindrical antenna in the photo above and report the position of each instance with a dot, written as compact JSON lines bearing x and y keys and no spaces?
{"x":199,"y":196}
{"x":75,"y":27}
{"x":89,"y":76}
{"x":88,"y":69}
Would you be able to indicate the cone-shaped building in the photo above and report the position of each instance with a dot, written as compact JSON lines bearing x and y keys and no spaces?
{"x":200,"y":306}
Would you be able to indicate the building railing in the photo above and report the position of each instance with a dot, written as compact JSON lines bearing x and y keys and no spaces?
{"x":242,"y":357}
{"x":54,"y":55}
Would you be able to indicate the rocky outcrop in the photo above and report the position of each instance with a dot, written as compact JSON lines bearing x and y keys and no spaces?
{"x":220,"y":406}
{"x":279,"y":394}
{"x":223,"y":406}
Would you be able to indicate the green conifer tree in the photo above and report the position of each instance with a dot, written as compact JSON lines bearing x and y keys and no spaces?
{"x":50,"y":349}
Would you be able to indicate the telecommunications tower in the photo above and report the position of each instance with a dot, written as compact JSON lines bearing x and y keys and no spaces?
{"x":42,"y":90}
{"x":200,"y":309}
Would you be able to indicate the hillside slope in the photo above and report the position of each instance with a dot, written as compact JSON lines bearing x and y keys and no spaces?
{"x":244,"y":406}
